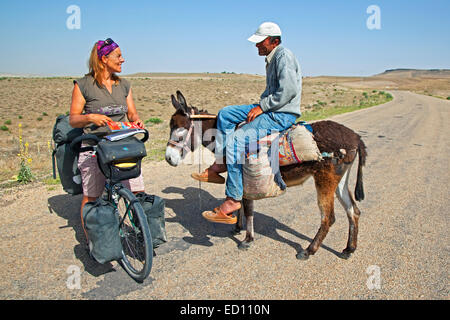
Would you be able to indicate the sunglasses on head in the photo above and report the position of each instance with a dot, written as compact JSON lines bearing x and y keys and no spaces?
{"x":107,"y":42}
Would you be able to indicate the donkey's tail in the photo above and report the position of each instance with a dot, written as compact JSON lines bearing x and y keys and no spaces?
{"x":359,"y":189}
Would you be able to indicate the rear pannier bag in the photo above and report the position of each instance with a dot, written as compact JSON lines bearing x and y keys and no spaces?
{"x":154,"y":210}
{"x":121,"y":160}
{"x":64,"y":158}
{"x":102,"y":226}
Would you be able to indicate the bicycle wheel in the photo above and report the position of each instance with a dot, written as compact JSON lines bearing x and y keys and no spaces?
{"x":137,"y":247}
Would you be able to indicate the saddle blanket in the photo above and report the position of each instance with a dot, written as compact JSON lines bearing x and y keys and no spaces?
{"x":261,"y":174}
{"x":297,"y":145}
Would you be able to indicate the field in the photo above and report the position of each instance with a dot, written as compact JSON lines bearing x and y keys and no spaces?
{"x":29,"y":106}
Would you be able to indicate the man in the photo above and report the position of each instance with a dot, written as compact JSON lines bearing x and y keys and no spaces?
{"x":278,"y":109}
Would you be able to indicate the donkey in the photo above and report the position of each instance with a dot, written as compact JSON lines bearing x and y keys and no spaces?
{"x":330,"y":175}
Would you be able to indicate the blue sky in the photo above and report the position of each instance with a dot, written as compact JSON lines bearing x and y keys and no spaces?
{"x":328,"y":37}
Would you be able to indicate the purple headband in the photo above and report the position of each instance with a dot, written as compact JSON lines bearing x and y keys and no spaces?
{"x":106,"y":47}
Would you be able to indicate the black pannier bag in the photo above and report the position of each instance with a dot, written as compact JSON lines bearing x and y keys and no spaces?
{"x":102,"y":227}
{"x":154,"y":210}
{"x":121,"y":160}
{"x":64,"y":158}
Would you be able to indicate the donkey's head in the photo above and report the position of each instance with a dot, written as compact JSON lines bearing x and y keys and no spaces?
{"x":181,"y":128}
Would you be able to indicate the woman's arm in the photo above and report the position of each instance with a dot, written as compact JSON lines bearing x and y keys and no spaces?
{"x":132,"y":112}
{"x":78,"y":120}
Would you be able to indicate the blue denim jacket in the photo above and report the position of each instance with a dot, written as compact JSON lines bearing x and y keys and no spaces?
{"x":283,"y":84}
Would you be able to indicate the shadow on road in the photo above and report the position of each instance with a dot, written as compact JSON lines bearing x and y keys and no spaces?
{"x":68,"y":207}
{"x":188,"y":213}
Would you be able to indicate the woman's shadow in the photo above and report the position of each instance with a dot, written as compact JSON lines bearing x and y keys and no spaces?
{"x":68,"y":207}
{"x":188,"y":214}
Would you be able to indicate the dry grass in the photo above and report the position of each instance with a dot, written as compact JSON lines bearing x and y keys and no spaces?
{"x":35,"y":103}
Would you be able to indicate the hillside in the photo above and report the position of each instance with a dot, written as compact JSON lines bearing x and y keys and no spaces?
{"x":415,"y":73}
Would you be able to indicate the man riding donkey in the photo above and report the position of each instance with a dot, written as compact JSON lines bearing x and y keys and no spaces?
{"x":278,"y":109}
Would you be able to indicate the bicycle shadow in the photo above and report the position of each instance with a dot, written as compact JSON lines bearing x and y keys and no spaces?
{"x":188,"y":214}
{"x":68,"y":207}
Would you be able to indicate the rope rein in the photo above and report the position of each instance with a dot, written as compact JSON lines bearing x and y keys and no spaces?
{"x":184,"y":145}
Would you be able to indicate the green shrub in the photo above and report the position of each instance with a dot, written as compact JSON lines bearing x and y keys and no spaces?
{"x":4,"y":128}
{"x":448,"y":98}
{"x":25,"y":175}
{"x":39,"y":119}
{"x":8,"y":122}
{"x":153,"y":120}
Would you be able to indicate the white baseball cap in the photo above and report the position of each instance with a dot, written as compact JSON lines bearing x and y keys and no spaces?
{"x":266,"y":29}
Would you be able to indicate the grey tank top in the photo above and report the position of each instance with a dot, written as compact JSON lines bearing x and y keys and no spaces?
{"x":99,"y":100}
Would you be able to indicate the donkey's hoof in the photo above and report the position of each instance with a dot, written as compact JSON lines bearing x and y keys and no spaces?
{"x":236,"y":231}
{"x":302,"y":255}
{"x":244,"y":245}
{"x":346,"y":254}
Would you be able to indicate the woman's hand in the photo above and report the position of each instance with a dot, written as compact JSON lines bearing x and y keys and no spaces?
{"x":139,"y":123}
{"x":99,"y":120}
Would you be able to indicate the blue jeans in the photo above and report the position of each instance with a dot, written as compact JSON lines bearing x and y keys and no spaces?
{"x":233,"y":143}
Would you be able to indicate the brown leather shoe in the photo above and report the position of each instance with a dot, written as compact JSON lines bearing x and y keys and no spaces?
{"x":208,"y":176}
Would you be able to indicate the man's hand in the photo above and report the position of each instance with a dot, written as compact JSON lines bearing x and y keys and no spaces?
{"x":256,"y":111}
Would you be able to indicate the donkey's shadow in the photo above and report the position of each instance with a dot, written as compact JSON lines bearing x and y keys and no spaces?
{"x":188,"y":213}
{"x":68,"y":207}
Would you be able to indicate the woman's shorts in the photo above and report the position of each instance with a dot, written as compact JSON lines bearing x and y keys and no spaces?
{"x":94,"y":181}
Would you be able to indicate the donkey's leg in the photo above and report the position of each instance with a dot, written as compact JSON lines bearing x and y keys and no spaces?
{"x":248,"y":206}
{"x":326,"y":184}
{"x":346,"y":199}
{"x":240,"y":220}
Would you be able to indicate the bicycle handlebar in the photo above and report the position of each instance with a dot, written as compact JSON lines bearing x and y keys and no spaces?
{"x":90,"y":136}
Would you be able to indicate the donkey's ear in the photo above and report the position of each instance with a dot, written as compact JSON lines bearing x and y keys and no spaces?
{"x":182,"y":100}
{"x":175,"y":103}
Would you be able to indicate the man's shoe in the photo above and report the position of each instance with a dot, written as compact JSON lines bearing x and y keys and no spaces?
{"x":208,"y":176}
{"x":218,"y":216}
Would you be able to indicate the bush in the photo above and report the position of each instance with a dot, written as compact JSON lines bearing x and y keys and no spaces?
{"x":25,"y":175}
{"x":448,"y":98}
{"x":4,"y":128}
{"x":8,"y":122}
{"x":39,"y":119}
{"x":153,"y":120}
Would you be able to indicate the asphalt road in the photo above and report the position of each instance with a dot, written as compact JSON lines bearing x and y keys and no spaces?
{"x":403,"y":247}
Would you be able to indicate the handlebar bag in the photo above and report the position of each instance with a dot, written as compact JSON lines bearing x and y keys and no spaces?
{"x":121,"y":160}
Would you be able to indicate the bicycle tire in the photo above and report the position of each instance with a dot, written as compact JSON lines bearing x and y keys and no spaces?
{"x":137,"y":247}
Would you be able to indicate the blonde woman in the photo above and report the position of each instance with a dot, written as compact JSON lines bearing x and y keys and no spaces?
{"x":98,"y":98}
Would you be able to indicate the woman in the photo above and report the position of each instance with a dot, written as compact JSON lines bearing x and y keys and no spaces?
{"x":98,"y":98}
